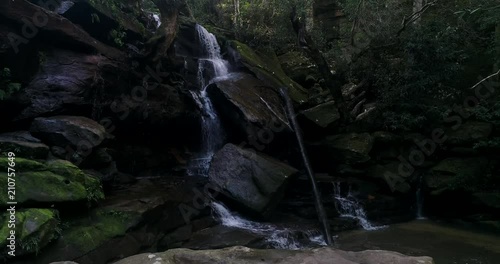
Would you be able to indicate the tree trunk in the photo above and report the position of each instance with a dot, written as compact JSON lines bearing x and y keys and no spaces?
{"x":236,"y":16}
{"x":331,"y":83}
{"x":165,"y":35}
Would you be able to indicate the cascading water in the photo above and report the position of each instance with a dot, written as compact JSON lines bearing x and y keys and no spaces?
{"x":276,"y":237}
{"x":348,"y":206}
{"x":420,"y":199}
{"x":210,"y":66}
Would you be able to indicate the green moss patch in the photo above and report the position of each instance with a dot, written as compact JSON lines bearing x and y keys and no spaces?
{"x":269,"y":69}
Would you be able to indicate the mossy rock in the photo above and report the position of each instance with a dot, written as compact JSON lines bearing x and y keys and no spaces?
{"x":457,"y":173}
{"x":29,"y":150}
{"x":35,"y":228}
{"x":55,"y":182}
{"x":100,"y":226}
{"x":21,"y":164}
{"x":266,"y":66}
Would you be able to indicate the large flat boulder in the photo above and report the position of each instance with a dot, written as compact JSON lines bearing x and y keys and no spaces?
{"x":57,"y":181}
{"x":18,"y":12}
{"x":249,"y":104}
{"x":34,"y":228}
{"x":244,"y":255}
{"x":254,"y":181}
{"x":72,"y":131}
{"x":351,"y":148}
{"x":266,"y":66}
{"x":323,"y":115}
{"x":456,"y":173}
{"x":469,"y":132}
{"x":23,"y":145}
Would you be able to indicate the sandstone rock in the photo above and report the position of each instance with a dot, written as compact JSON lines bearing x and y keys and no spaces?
{"x":453,"y":173}
{"x":249,"y":104}
{"x":243,"y":255}
{"x":469,"y":132}
{"x":76,"y":132}
{"x":18,"y":11}
{"x":35,"y":228}
{"x":23,"y":145}
{"x":322,"y":115}
{"x":220,"y":237}
{"x":349,"y":148}
{"x":266,"y":66}
{"x":58,"y":181}
{"x":254,"y":181}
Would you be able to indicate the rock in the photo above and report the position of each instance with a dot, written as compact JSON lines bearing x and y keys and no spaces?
{"x":58,"y":181}
{"x":266,"y":66}
{"x":249,"y":104}
{"x":220,"y":237}
{"x":23,"y":145}
{"x":456,"y":173}
{"x":491,"y":199}
{"x":17,"y":11}
{"x":322,"y":115}
{"x":66,"y":82}
{"x":35,"y":228}
{"x":76,"y":132}
{"x":176,"y":237}
{"x":298,"y":67}
{"x":125,"y":223}
{"x":349,"y":148}
{"x":389,"y":175}
{"x":108,"y":17}
{"x":469,"y":132}
{"x":384,"y":137}
{"x":244,"y":255}
{"x":254,"y":181}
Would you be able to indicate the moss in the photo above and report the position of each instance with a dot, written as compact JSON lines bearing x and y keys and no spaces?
{"x":58,"y":181}
{"x":35,"y":228}
{"x":103,"y":225}
{"x":269,"y":69}
{"x":22,"y":164}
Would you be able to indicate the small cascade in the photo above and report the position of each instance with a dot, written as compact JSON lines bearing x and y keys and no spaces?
{"x":210,"y":66}
{"x":419,"y":196}
{"x":275,"y":237}
{"x":349,"y":207}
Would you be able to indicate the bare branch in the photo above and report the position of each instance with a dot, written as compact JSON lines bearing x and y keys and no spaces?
{"x":483,"y":80}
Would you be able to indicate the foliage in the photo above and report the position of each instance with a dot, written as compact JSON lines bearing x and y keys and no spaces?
{"x":118,"y":36}
{"x":7,"y":87}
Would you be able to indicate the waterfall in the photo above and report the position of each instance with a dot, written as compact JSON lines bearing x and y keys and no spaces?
{"x":348,"y":206}
{"x":420,"y":198}
{"x":210,"y":66}
{"x":276,"y":237}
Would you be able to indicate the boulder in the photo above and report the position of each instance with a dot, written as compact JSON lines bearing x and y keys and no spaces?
{"x":221,"y":237}
{"x":469,"y":132}
{"x":244,"y":255}
{"x":18,"y":12}
{"x":76,"y":132}
{"x":254,"y":181}
{"x":35,"y":228}
{"x":58,"y":181}
{"x":349,"y":148}
{"x":104,"y":19}
{"x":67,"y":82}
{"x":389,"y":174}
{"x":23,"y":145}
{"x":266,"y":66}
{"x":249,"y":104}
{"x":456,"y":173}
{"x":322,"y":115}
{"x":298,"y":66}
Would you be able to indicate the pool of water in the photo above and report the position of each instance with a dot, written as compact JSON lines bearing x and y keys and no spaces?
{"x":447,"y":244}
